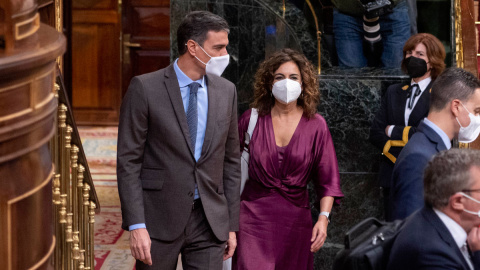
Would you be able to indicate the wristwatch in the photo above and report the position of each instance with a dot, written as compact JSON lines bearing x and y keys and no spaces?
{"x":326,"y":214}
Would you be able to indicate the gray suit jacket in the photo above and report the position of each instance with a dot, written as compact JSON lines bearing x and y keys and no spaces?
{"x":156,"y":168}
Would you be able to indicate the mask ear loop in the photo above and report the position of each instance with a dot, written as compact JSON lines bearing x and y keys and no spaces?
{"x":471,"y":198}
{"x":202,"y":50}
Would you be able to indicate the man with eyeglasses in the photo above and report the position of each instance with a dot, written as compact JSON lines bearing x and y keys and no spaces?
{"x":444,"y":234}
{"x":454,"y":113}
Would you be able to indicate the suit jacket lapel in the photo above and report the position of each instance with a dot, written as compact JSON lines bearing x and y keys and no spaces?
{"x":171,"y":84}
{"x":444,"y":233}
{"x":212,"y":89}
{"x":422,"y":106}
{"x":399,"y":104}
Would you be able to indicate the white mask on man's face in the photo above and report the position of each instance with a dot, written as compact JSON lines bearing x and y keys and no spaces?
{"x":469,"y":133}
{"x":216,"y":65}
{"x":471,"y":212}
{"x":286,"y":90}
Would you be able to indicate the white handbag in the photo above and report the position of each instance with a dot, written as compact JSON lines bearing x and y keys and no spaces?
{"x":245,"y":153}
{"x":227,"y":265}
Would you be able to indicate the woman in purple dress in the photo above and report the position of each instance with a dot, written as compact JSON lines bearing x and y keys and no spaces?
{"x":290,"y":146}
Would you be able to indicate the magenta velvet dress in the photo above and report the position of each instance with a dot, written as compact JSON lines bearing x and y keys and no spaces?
{"x":275,"y":219}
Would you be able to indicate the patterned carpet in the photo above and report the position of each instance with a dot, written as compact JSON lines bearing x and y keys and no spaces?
{"x":111,"y":242}
{"x":112,"y":251}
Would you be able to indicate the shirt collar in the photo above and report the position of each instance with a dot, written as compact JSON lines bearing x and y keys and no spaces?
{"x":184,"y":80}
{"x":423,"y":83}
{"x":458,"y":233}
{"x":440,"y":132}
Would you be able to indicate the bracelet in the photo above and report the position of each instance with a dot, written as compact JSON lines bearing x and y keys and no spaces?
{"x":326,"y":214}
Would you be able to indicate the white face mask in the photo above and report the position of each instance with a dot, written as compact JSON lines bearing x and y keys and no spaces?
{"x":469,"y":133}
{"x":216,"y":65}
{"x":286,"y":90}
{"x":471,"y":212}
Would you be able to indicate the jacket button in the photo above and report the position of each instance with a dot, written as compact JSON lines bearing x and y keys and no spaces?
{"x":190,"y":194}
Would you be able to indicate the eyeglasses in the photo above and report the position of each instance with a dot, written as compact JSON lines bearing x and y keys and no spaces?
{"x":471,"y":190}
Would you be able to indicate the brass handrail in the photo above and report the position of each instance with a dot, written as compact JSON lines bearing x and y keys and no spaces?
{"x":75,"y":201}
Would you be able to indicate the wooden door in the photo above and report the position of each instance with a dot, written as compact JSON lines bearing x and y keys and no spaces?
{"x":96,"y":66}
{"x":146,"y":37}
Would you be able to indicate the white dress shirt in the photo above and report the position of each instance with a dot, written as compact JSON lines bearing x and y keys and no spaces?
{"x":422,"y":85}
{"x":458,"y":234}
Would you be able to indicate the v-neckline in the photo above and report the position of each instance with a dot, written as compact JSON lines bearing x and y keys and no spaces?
{"x":293,"y":135}
{"x":286,"y":147}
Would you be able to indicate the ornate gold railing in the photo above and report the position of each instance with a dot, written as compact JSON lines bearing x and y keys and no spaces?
{"x":74,"y":197}
{"x":465,"y":43}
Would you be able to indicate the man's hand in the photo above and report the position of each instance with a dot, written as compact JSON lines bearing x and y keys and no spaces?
{"x":474,"y":239}
{"x":231,"y":245}
{"x":319,"y":233}
{"x":140,"y":245}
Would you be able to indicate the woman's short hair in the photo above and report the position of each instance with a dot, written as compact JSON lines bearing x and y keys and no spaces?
{"x":263,"y":98}
{"x":435,"y":52}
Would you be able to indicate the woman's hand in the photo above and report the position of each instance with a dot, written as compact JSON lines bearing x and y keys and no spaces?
{"x":319,"y":233}
{"x":386,"y":130}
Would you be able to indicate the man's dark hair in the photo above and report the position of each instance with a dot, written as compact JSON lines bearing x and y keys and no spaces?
{"x":447,"y":173}
{"x":453,"y":83}
{"x":196,"y":25}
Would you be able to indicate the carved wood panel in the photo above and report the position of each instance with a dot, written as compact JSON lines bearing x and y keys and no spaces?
{"x":146,"y":37}
{"x":96,"y":68}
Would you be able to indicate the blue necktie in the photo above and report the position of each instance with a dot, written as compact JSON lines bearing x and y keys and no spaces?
{"x":192,"y":114}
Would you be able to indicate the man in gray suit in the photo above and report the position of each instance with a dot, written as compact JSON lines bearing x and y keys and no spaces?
{"x":178,"y":162}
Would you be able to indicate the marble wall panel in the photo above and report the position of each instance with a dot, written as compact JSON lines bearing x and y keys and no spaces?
{"x":349,"y":100}
{"x":363,"y":199}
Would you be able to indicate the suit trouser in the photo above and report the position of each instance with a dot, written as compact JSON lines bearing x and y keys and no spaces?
{"x":199,"y":247}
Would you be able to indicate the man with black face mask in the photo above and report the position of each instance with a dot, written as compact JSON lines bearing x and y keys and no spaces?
{"x":405,"y":105}
{"x":454,"y":113}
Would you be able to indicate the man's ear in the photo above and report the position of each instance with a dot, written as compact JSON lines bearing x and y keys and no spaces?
{"x":191,"y":45}
{"x":454,"y":107}
{"x":456,"y":202}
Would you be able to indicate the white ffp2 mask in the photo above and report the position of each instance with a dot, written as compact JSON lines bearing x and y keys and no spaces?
{"x":286,"y":90}
{"x":469,"y":133}
{"x":216,"y":65}
{"x":471,"y":212}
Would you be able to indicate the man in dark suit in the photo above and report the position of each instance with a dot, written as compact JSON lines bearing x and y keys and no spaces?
{"x":444,"y":234}
{"x":178,"y":162}
{"x":455,"y":99}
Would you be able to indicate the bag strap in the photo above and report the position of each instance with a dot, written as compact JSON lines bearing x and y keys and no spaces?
{"x":251,"y":126}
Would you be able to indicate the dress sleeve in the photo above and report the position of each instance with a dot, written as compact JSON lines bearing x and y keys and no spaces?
{"x":243,"y":126}
{"x":326,"y":175}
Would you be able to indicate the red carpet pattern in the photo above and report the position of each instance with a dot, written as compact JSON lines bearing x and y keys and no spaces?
{"x":111,"y":242}
{"x":112,"y":249}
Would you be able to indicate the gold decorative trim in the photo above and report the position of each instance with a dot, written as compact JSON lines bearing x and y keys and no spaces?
{"x":29,"y":149}
{"x":46,"y":257}
{"x":44,"y":102}
{"x":458,"y":34}
{"x":35,"y":25}
{"x":319,"y":35}
{"x":406,"y":130}
{"x":396,"y":143}
{"x":17,"y":114}
{"x":16,"y":86}
{"x":463,"y":145}
{"x":28,"y":193}
{"x":9,"y":217}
